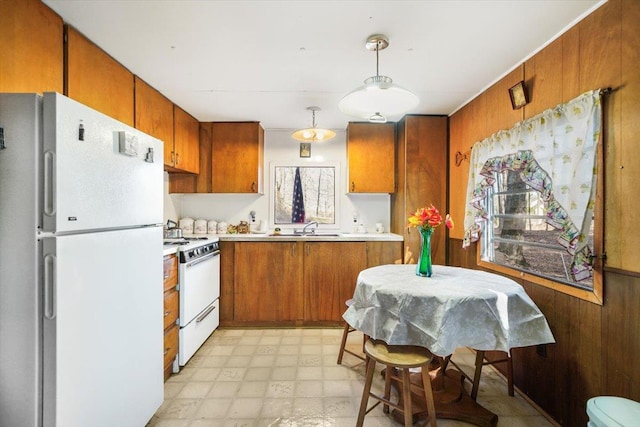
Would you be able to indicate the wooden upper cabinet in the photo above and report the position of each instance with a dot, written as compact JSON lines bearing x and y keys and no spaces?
{"x":186,"y":141}
{"x":32,"y":48}
{"x":237,"y":155}
{"x":97,"y":80}
{"x":154,"y":115}
{"x":371,"y":157}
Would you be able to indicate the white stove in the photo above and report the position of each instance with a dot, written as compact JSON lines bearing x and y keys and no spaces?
{"x":199,"y":290}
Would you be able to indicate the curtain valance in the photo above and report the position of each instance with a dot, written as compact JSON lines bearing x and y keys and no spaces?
{"x":554,"y":153}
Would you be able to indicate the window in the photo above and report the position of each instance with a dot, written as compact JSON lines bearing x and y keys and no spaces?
{"x":518,"y":235}
{"x":531,"y":199}
{"x":304,"y":193}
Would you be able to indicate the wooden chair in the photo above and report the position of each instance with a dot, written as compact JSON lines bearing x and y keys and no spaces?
{"x":480,"y":362}
{"x":397,"y":358}
{"x":345,"y":334}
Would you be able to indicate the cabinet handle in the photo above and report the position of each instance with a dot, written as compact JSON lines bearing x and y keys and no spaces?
{"x":353,"y":186}
{"x":166,"y":351}
{"x":293,"y":249}
{"x":253,"y":186}
{"x":166,"y":313}
{"x":166,"y":276}
{"x":173,"y":157}
{"x":177,"y":158}
{"x":308,"y":249}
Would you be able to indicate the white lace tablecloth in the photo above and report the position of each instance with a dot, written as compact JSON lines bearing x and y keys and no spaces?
{"x":456,"y":307}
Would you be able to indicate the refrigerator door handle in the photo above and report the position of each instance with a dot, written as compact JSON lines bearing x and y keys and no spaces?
{"x":49,"y":286}
{"x":49,"y":183}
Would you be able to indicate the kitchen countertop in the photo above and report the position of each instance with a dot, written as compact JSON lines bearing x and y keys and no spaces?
{"x":321,"y":237}
{"x":268,"y":237}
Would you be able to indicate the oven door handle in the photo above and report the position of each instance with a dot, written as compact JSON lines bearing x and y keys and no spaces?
{"x":203,"y":259}
{"x":205,"y":314}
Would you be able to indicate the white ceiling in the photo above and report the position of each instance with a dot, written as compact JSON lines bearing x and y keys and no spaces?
{"x":269,"y":60}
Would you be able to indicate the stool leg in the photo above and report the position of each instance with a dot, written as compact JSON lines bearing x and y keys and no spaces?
{"x":406,"y":396}
{"x":345,"y":334}
{"x":476,"y":375}
{"x":371,"y":364}
{"x":387,"y":387}
{"x":510,"y":375}
{"x":428,"y":394}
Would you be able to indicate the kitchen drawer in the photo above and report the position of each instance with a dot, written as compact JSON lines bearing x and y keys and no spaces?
{"x":170,"y":345}
{"x":170,"y":272}
{"x":171,"y":308}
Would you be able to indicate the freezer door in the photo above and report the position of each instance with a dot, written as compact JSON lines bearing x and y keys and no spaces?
{"x":91,"y":179}
{"x":103,"y":328}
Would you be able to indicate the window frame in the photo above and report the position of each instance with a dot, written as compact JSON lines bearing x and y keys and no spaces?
{"x":594,"y":295}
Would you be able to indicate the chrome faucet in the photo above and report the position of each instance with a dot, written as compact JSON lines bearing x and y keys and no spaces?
{"x":304,"y":229}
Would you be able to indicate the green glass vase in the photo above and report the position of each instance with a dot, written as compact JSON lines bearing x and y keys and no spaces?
{"x":424,"y":267}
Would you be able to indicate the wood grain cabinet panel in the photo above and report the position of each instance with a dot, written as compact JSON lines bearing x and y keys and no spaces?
{"x":31,"y":46}
{"x":267,"y":282}
{"x":186,"y":141}
{"x":171,"y":312}
{"x":97,"y":80}
{"x":370,"y":154}
{"x":422,"y":180}
{"x":154,"y":115}
{"x":237,"y":155}
{"x":330,"y":273}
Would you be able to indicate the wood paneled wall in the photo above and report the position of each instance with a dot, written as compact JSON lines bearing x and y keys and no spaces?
{"x":595,"y":345}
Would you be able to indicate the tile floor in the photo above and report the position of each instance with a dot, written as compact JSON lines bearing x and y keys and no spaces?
{"x":289,"y":377}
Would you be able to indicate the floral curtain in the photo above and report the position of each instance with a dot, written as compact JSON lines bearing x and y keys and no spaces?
{"x":555,"y":154}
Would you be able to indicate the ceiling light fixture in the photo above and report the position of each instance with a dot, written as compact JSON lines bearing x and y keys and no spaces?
{"x":313,"y":134}
{"x":379,"y":97}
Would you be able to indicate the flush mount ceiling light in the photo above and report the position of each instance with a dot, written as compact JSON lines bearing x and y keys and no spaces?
{"x":313,"y":134}
{"x":379,"y":97}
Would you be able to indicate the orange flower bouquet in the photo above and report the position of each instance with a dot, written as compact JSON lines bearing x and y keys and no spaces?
{"x":426,"y":220}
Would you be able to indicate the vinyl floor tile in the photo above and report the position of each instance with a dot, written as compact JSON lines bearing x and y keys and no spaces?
{"x":290,"y":378}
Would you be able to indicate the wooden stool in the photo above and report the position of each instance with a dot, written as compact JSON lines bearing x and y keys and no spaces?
{"x":480,"y":363}
{"x":345,"y":333}
{"x":397,"y":357}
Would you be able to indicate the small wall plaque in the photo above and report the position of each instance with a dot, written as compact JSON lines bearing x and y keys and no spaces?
{"x":518,"y":94}
{"x":305,"y":149}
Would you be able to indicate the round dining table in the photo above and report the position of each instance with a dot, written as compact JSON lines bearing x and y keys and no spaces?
{"x":455,"y":307}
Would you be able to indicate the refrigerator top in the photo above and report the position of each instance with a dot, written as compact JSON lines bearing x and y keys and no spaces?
{"x":97,"y":173}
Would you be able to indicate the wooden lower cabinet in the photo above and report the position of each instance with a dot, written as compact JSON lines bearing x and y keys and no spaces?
{"x":294,"y":283}
{"x":330,"y":273}
{"x":267,"y":279}
{"x":171,"y":312}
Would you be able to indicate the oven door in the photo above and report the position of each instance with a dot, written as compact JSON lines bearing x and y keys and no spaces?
{"x":199,"y":286}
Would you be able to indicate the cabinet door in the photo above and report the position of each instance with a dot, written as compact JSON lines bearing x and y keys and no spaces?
{"x":371,"y":157}
{"x":422,"y":157}
{"x":186,"y":142}
{"x":97,"y":80}
{"x":330,"y":273}
{"x":154,"y":115}
{"x":237,"y":157}
{"x":267,"y":282}
{"x":32,"y":52}
{"x":380,"y":253}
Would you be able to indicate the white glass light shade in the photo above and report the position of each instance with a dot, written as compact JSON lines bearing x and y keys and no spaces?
{"x":313,"y":135}
{"x":378,"y":97}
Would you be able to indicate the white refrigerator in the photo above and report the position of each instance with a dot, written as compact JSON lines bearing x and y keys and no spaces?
{"x":81,"y":335}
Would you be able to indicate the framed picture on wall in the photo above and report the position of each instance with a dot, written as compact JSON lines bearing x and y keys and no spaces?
{"x":305,"y":149}
{"x":518,"y":95}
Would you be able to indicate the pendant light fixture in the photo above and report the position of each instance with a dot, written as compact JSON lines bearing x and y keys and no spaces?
{"x":379,"y":97}
{"x":313,"y":134}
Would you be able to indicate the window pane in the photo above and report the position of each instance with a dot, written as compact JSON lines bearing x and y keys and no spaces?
{"x":318,"y":189}
{"x":520,"y":238}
